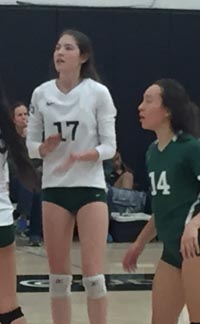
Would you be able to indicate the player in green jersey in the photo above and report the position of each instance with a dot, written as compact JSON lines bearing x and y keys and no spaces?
{"x":173,"y":163}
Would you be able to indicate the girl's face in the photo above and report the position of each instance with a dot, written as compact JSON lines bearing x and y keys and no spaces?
{"x":21,"y":117}
{"x":152,"y":114}
{"x":67,"y":57}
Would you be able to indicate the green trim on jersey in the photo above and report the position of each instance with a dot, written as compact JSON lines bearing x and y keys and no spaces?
{"x":174,"y":174}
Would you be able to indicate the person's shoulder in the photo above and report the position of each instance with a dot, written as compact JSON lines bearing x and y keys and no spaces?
{"x":189,"y":143}
{"x":96,"y":86}
{"x":45,"y":86}
{"x":188,"y":139}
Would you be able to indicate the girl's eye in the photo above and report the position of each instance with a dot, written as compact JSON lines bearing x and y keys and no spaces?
{"x":148,"y":100}
{"x":68,"y":47}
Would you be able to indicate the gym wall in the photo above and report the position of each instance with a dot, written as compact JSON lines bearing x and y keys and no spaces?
{"x":133,"y":48}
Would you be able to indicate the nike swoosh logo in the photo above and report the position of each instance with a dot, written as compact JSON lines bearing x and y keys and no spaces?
{"x":49,"y":103}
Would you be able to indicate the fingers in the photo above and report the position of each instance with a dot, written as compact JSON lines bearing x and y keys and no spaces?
{"x":129,"y":263}
{"x":52,"y":142}
{"x":65,"y":166}
{"x":54,"y":139}
{"x":190,"y":248}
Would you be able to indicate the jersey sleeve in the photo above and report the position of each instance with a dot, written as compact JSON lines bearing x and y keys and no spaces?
{"x":35,"y":128}
{"x":193,"y":156}
{"x":106,"y":113}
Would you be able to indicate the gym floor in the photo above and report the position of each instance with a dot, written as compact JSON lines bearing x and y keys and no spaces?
{"x":129,"y":295}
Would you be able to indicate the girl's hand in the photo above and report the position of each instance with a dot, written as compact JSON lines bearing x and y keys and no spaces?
{"x":68,"y":164}
{"x":189,"y":241}
{"x":49,"y":145}
{"x":130,"y":258}
{"x":91,"y":155}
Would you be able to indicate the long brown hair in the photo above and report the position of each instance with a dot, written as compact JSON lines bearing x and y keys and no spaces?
{"x":15,"y":145}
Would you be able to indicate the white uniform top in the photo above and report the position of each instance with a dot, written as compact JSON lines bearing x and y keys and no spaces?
{"x":85,"y":118}
{"x":6,"y":209}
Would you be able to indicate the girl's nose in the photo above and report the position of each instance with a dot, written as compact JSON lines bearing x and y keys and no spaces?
{"x":140,"y":106}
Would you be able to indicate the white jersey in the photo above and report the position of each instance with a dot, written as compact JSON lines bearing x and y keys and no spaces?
{"x":85,"y":118}
{"x":6,"y":209}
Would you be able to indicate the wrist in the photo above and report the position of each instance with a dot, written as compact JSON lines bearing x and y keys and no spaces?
{"x":92,"y":155}
{"x":42,"y":150}
{"x":195,"y":221}
{"x":140,"y":244}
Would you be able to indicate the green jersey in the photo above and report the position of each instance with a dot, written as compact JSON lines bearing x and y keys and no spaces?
{"x":175,"y":184}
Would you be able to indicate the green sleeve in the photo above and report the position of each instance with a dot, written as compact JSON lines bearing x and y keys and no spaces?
{"x":193,"y":156}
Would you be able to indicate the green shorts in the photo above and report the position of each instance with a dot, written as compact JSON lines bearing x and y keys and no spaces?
{"x":73,"y":198}
{"x":7,"y":235}
{"x":171,"y":253}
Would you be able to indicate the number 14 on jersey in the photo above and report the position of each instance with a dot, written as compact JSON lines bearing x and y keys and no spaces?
{"x":160,"y":185}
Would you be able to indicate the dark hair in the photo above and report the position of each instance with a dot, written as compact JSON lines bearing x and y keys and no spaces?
{"x":88,"y":69}
{"x":17,"y":104}
{"x":14,"y":144}
{"x":184,"y":114}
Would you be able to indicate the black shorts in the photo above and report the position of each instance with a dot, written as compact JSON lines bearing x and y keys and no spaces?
{"x":73,"y":198}
{"x":7,"y":235}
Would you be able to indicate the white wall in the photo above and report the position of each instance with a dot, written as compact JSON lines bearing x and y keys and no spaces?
{"x":170,"y":4}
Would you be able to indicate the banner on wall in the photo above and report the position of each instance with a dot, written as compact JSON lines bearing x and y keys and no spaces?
{"x":154,"y":4}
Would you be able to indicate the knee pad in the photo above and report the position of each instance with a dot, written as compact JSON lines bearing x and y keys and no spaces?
{"x":8,"y":318}
{"x":95,"y":286}
{"x":60,"y":285}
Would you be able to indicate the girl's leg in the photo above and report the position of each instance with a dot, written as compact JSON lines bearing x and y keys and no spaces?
{"x":191,"y":284}
{"x":92,"y":221}
{"x":8,"y":297}
{"x":167,"y":294}
{"x":58,"y":227}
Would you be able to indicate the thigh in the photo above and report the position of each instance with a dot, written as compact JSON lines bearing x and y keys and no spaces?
{"x":167,"y":294}
{"x":191,"y":284}
{"x":8,"y":300}
{"x":58,"y":227}
{"x":92,"y":221}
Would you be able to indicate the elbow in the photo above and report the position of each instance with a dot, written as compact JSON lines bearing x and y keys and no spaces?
{"x":109,"y":152}
{"x":33,"y":150}
{"x":112,"y":151}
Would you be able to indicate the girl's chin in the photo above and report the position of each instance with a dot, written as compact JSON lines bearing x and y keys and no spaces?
{"x":145,"y":126}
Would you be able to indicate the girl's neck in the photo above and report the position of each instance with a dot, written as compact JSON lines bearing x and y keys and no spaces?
{"x":164,"y":136}
{"x":21,"y":131}
{"x":66,"y":83}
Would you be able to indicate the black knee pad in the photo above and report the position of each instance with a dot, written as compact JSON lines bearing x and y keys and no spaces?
{"x":195,"y":323}
{"x":8,"y":318}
